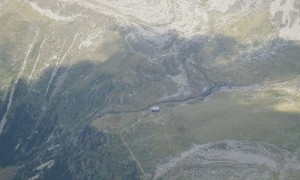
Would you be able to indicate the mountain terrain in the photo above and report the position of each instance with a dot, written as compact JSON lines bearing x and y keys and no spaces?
{"x":78,"y":79}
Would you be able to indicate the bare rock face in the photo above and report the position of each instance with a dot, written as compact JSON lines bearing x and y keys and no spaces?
{"x":231,"y":160}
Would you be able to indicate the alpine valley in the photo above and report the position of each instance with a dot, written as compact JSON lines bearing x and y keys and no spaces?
{"x":78,"y":79}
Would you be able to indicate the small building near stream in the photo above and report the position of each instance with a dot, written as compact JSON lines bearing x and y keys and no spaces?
{"x":155,"y":109}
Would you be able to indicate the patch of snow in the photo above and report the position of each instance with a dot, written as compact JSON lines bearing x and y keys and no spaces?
{"x":92,"y":39}
{"x":291,"y":32}
{"x":221,"y":5}
{"x":49,"y":13}
{"x":36,"y":61}
{"x":59,"y":63}
{"x":186,"y":17}
{"x":51,"y":135}
{"x":53,"y":147}
{"x":286,"y":8}
{"x":11,"y":95}
{"x":47,"y":165}
{"x":17,"y":146}
{"x":1,"y":3}
{"x":34,"y":177}
{"x":86,"y":43}
{"x":290,"y":29}
{"x":251,"y":3}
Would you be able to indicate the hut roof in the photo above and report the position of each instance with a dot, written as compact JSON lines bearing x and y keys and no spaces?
{"x":155,"y":108}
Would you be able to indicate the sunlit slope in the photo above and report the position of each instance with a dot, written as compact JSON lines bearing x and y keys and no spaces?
{"x":267,"y":114}
{"x":78,"y":78}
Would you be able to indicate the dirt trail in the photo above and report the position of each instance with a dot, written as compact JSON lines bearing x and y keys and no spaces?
{"x":132,"y":155}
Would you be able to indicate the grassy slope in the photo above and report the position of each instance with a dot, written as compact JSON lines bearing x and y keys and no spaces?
{"x":7,"y":173}
{"x":268,"y":115}
{"x":153,"y":138}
